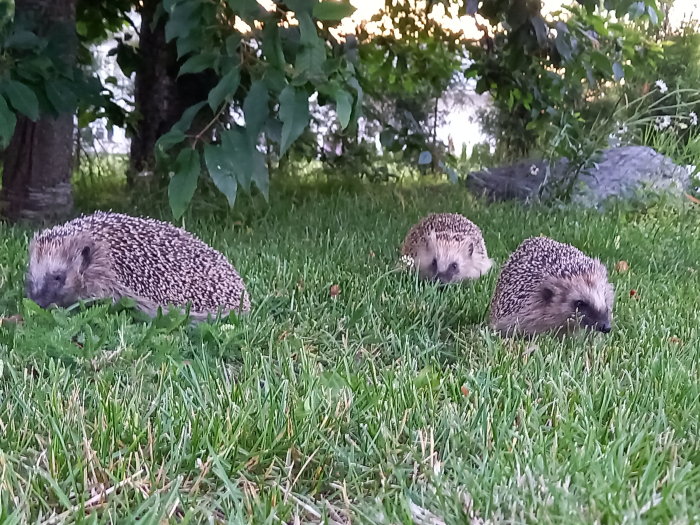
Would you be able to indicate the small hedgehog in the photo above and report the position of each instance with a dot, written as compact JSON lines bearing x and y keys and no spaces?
{"x":549,"y":286}
{"x":446,"y":247}
{"x":110,"y":255}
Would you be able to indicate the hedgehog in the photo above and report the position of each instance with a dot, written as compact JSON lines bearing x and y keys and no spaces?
{"x":111,"y":255}
{"x":549,"y":286}
{"x":447,"y":248}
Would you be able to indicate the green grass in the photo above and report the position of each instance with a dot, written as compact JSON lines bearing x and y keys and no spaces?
{"x":385,"y":403}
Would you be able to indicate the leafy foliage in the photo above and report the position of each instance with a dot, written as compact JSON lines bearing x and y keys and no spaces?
{"x":35,"y":77}
{"x":407,"y":63}
{"x":267,"y":72}
{"x":540,"y":71}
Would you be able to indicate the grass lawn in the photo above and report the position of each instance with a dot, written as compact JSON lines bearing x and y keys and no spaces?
{"x":390,"y":402}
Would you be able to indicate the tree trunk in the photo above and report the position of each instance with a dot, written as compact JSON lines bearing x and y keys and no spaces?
{"x":38,"y":161}
{"x":160,"y":96}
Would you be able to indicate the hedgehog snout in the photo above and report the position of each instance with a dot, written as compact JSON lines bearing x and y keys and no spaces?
{"x":49,"y":290}
{"x":600,"y":322}
{"x":604,"y":324}
{"x":39,"y":295}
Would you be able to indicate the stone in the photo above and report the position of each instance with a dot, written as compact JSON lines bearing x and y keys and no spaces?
{"x":625,"y":172}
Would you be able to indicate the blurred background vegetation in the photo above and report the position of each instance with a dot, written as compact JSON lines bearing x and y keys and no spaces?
{"x":192,"y":98}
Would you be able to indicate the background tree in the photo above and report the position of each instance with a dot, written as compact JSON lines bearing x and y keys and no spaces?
{"x":161,"y":94}
{"x":407,"y":63}
{"x":217,"y":81}
{"x":38,"y":160}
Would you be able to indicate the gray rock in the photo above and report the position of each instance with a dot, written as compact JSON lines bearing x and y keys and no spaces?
{"x":625,"y":172}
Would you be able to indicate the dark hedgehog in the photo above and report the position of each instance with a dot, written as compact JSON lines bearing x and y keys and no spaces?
{"x":549,"y":286}
{"x":447,"y":247}
{"x":111,"y":255}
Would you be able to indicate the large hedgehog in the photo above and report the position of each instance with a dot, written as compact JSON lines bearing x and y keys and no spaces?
{"x":549,"y":286}
{"x":110,"y":255}
{"x":447,"y":247}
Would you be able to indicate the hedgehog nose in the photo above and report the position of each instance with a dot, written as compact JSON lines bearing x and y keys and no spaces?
{"x":604,"y":327}
{"x":441,"y":278}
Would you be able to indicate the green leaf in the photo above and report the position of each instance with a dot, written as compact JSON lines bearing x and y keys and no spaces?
{"x":61,"y":96}
{"x":186,"y":45}
{"x":538,"y":24}
{"x":184,"y":182}
{"x":22,"y":98}
{"x":226,"y":87}
{"x":169,"y":139}
{"x":301,"y":6}
{"x":247,"y":9}
{"x":169,"y":5}
{"x":232,"y":44}
{"x":294,"y":114}
{"x":8,"y":120}
{"x":260,"y":174}
{"x":563,"y":46}
{"x":179,"y":130}
{"x":653,"y":15}
{"x":353,"y":83}
{"x":198,"y":63}
{"x":22,"y":39}
{"x":182,"y":20}
{"x":312,"y":54}
{"x":343,"y":106}
{"x":255,"y":107}
{"x":308,"y":32}
{"x":618,"y":71}
{"x":221,"y":172}
{"x":244,"y":159}
{"x":424,"y":158}
{"x":272,"y":45}
{"x":333,"y":10}
{"x":187,"y":117}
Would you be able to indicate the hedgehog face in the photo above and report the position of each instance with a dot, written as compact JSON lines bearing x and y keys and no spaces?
{"x":577,"y":302}
{"x":57,"y":271}
{"x":450,"y":260}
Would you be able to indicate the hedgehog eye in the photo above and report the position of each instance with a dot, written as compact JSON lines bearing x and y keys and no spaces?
{"x":547,"y":295}
{"x":434,"y":263}
{"x":580,"y":305}
{"x":453,"y":266}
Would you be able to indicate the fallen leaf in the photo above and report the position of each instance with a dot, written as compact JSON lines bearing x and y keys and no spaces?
{"x":676,"y":340}
{"x":633,"y":293}
{"x":692,"y":199}
{"x":371,"y":254}
{"x":335,"y":290}
{"x":622,"y":266}
{"x":13,"y":319}
{"x":465,"y":390}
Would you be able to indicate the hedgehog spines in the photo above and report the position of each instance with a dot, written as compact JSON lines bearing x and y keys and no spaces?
{"x":150,"y":261}
{"x":546,"y":285}
{"x":447,"y":247}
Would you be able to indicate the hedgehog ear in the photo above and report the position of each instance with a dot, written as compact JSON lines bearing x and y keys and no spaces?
{"x":85,"y":257}
{"x":547,"y":294}
{"x":470,"y":249}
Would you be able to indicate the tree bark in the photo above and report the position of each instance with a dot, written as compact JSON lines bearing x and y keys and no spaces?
{"x":160,"y":96}
{"x":38,"y":161}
